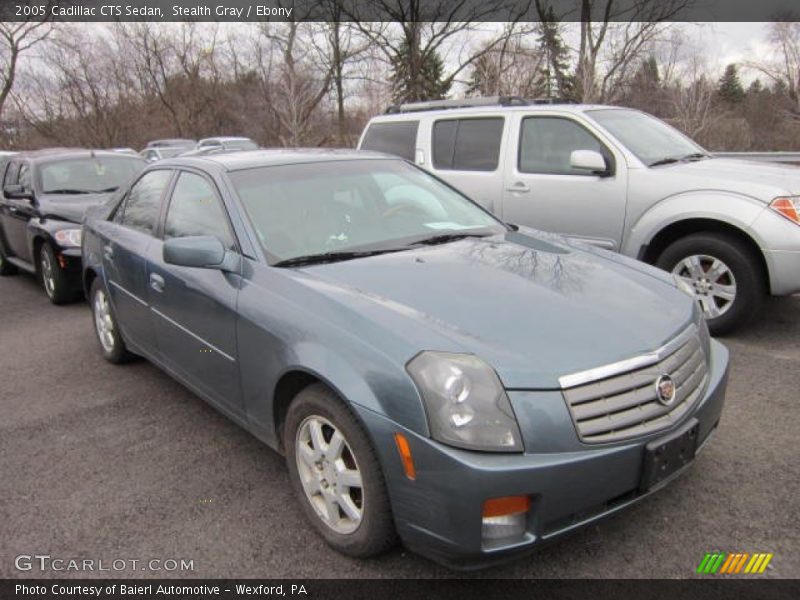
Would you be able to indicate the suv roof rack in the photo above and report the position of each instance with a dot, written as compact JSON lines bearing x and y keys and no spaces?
{"x":472,"y":102}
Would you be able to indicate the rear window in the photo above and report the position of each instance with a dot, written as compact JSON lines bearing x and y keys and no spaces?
{"x":398,"y":138}
{"x":467,"y":144}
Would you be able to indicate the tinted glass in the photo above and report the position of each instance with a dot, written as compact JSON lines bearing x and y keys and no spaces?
{"x":24,"y":177}
{"x":475,"y":144}
{"x":143,"y":202}
{"x":196,"y":210}
{"x":398,"y":138}
{"x":298,"y":210}
{"x":546,"y":144}
{"x":99,"y":174}
{"x":650,"y":139}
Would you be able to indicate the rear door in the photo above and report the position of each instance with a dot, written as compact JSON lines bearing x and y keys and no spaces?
{"x":542,"y":190}
{"x":194,"y":309}
{"x":125,"y":249}
{"x":466,"y":152}
{"x":17,"y":213}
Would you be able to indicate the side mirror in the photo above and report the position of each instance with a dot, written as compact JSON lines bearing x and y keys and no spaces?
{"x":202,"y":251}
{"x":589,"y":160}
{"x":17,"y":192}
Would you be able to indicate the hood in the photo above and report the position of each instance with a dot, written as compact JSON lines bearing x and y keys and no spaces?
{"x":531,"y":308}
{"x":761,"y":180}
{"x":70,"y":208}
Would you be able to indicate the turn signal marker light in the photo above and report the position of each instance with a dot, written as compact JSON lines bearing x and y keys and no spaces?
{"x":404,"y":450}
{"x":507,"y":505}
{"x":787,"y":208}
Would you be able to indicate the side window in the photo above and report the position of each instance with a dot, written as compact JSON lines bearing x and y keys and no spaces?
{"x":143,"y":203}
{"x":467,"y":144}
{"x":398,"y":138}
{"x":24,"y":177}
{"x":11,"y":174}
{"x":196,"y":210}
{"x":546,"y":144}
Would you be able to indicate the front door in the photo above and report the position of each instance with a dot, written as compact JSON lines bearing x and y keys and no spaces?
{"x":543,"y":191}
{"x":195,"y":308}
{"x":17,"y":213}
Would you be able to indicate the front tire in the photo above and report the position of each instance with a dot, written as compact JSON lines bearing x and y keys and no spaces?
{"x":727,"y":278}
{"x":54,"y":279}
{"x":105,"y":325}
{"x":336,"y":475}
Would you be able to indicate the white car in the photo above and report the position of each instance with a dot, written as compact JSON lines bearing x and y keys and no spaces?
{"x":619,"y":179}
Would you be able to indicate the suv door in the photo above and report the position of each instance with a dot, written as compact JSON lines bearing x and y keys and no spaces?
{"x":542,"y":190}
{"x":466,"y":153}
{"x":194,"y":308}
{"x":17,"y":213}
{"x":130,"y":234}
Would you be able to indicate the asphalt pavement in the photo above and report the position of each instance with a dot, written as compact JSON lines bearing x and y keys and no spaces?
{"x":105,"y":462}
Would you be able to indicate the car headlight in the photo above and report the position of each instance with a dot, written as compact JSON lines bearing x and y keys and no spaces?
{"x":465,"y":402}
{"x":684,"y":285}
{"x":789,"y":207}
{"x":68,"y":237}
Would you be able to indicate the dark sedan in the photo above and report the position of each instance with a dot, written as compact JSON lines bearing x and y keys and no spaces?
{"x":430,"y":372}
{"x":45,"y":194}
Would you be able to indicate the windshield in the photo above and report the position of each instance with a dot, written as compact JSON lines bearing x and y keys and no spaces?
{"x":311,"y":209}
{"x":88,"y":175}
{"x":650,"y":139}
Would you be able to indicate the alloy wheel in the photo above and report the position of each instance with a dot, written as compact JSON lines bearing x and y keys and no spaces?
{"x":103,"y":322}
{"x":48,"y":278}
{"x":712,"y":281}
{"x":329,"y":474}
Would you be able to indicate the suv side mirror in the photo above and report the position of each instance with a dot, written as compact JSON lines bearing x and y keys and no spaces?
{"x":201,"y":251}
{"x":17,"y":192}
{"x":589,"y":160}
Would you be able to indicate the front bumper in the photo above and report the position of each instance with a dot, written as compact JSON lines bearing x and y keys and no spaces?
{"x":570,"y":484}
{"x":69,"y":261}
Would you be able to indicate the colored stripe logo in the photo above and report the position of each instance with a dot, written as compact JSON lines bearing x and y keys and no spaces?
{"x":734,"y":563}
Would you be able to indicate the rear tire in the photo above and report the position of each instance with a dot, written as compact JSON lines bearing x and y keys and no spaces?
{"x":109,"y":337}
{"x":727,"y":278}
{"x":55,"y":282}
{"x":6,"y":268}
{"x":336,"y":475}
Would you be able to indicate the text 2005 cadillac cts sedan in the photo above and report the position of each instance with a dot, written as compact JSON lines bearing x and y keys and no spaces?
{"x":429,"y":372}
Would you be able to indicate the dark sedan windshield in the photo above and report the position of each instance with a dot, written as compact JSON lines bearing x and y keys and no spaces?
{"x":86,"y":175}
{"x":333,"y":207}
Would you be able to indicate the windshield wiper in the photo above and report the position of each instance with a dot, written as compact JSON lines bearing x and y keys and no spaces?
{"x":668,"y":160}
{"x":69,"y":191}
{"x":443,"y":238}
{"x":107,"y":190}
{"x":695,"y":156}
{"x":664,"y":161}
{"x":326,"y":257}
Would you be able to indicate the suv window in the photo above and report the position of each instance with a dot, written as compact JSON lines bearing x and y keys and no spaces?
{"x":398,"y":138}
{"x":195,"y":209}
{"x":24,"y":177}
{"x":143,"y":203}
{"x":467,"y":144}
{"x":546,"y":144}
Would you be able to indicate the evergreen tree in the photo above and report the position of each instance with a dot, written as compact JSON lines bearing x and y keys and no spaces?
{"x":417,"y":77}
{"x":730,"y":88}
{"x":559,"y":83}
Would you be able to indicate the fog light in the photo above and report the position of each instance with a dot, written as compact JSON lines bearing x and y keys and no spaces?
{"x":504,"y":520}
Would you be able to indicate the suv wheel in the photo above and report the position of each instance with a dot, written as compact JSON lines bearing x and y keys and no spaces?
{"x":727,"y":279}
{"x":105,"y":325}
{"x":336,"y":475}
{"x":54,"y":280}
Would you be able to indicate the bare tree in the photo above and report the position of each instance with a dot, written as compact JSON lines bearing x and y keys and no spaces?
{"x":784,"y":37}
{"x":510,"y":68}
{"x":17,"y":38}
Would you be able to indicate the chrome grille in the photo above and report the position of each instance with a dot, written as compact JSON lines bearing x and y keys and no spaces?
{"x":620,"y":401}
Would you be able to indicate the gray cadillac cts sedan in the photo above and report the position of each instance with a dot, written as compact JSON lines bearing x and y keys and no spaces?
{"x":430,"y":373}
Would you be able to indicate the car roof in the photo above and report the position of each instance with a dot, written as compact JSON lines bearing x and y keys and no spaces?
{"x":493,"y":109}
{"x":250,"y":159}
{"x":59,"y":153}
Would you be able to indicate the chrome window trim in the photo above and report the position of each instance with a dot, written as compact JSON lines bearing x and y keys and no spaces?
{"x":630,"y":364}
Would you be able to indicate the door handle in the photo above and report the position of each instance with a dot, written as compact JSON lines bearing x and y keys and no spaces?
{"x":519,"y":187}
{"x":157,"y":282}
{"x":108,"y":253}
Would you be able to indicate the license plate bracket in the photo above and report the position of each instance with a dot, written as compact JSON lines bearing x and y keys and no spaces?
{"x":665,"y":456}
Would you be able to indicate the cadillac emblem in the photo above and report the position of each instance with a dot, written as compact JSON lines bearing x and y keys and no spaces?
{"x":665,"y":390}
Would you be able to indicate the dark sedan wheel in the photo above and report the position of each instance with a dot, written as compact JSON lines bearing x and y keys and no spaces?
{"x":54,"y":280}
{"x":726,"y":278}
{"x":336,"y":475}
{"x":6,"y":268}
{"x":105,"y":325}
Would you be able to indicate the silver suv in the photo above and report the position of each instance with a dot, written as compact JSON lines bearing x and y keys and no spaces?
{"x":619,"y":179}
